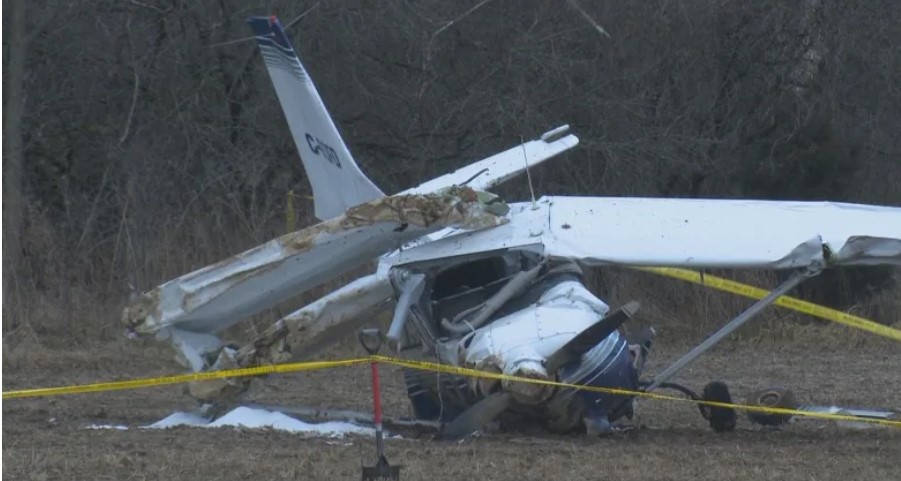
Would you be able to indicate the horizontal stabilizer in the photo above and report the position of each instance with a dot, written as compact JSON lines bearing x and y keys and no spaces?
{"x":498,"y":168}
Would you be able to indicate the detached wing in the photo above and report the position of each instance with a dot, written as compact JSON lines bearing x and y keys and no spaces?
{"x":217,"y":296}
{"x":692,"y":233}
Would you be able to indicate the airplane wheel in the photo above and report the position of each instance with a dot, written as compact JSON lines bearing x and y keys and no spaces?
{"x":721,"y":419}
{"x":772,"y":397}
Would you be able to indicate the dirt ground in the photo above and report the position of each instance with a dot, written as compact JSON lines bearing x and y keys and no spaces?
{"x":47,"y":438}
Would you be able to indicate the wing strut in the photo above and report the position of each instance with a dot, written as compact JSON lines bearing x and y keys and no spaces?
{"x":734,"y":324}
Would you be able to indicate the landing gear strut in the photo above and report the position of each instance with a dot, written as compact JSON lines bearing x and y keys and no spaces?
{"x":723,"y":418}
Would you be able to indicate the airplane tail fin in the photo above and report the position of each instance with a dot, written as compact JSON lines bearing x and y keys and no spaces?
{"x":336,"y":180}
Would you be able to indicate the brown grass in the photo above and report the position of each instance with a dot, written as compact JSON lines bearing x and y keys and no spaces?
{"x":44,"y":438}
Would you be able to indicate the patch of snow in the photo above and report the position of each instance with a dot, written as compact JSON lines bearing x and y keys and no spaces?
{"x":261,"y":418}
{"x":251,"y":418}
{"x":107,"y":426}
{"x":179,"y":419}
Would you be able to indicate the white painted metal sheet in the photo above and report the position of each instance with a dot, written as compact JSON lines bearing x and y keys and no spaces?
{"x":692,"y":233}
{"x":520,"y":343}
{"x":535,"y":332}
{"x":722,"y":233}
{"x":217,"y":296}
{"x":500,"y":167}
{"x":308,"y":329}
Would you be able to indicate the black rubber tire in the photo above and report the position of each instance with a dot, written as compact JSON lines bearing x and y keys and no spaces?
{"x":721,"y":419}
{"x":776,"y":397}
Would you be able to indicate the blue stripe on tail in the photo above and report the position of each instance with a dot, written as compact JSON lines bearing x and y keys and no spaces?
{"x":275,"y":46}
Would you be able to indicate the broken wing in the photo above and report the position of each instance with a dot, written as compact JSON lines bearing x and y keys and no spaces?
{"x":215,"y":297}
{"x":692,"y":233}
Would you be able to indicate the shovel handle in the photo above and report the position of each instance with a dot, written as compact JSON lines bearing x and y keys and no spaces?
{"x":377,"y":411}
{"x":376,"y":395}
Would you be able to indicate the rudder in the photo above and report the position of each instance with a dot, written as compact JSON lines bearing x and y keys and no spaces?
{"x":336,"y":179}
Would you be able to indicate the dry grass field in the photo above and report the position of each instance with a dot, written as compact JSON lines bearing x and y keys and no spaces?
{"x":143,"y":140}
{"x":47,"y":438}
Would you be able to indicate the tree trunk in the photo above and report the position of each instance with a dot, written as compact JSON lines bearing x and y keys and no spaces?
{"x":13,"y":110}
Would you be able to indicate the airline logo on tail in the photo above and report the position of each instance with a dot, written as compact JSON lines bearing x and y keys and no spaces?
{"x":321,"y":148}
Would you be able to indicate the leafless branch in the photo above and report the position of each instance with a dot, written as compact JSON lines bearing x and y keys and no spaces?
{"x":461,"y":17}
{"x":302,"y":15}
{"x":593,"y":23}
{"x":135,"y":89}
{"x":159,"y":10}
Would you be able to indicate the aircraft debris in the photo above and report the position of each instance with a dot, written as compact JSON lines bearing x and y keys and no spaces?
{"x":477,"y":282}
{"x":780,"y":397}
{"x":214,"y":297}
{"x":319,"y":415}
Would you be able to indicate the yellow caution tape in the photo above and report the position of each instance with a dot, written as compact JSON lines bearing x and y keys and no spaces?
{"x":421,"y":365}
{"x":182,"y":378}
{"x":462,"y":371}
{"x":783,"y":301}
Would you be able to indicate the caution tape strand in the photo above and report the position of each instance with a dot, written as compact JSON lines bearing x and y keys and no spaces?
{"x":793,"y":303}
{"x":182,"y":378}
{"x":447,"y":369}
{"x":419,"y":365}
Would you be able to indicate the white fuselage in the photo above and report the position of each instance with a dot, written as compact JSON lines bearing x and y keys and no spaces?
{"x":519,"y":343}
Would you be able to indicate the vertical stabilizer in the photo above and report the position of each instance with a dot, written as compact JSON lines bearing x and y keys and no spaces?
{"x":337,"y":181}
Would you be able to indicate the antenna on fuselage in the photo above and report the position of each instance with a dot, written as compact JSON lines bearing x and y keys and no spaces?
{"x":525,"y":158}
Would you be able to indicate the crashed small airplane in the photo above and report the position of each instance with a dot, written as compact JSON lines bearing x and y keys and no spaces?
{"x":480,"y":283}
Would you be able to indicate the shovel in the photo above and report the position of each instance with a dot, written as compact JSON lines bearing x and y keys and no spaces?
{"x":371,"y":339}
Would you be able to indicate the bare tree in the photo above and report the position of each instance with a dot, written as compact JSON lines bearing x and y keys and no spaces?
{"x":153,"y":143}
{"x":13,"y":111}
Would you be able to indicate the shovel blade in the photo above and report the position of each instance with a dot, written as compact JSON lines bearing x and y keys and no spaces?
{"x":381,"y":471}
